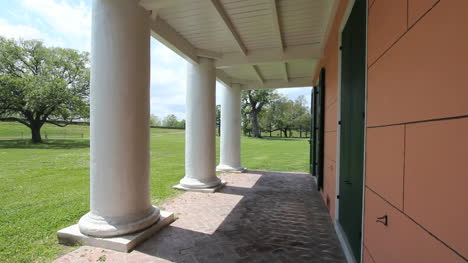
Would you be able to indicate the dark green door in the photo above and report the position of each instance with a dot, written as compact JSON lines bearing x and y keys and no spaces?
{"x":312,"y":131}
{"x":318,"y":129}
{"x":352,"y":121}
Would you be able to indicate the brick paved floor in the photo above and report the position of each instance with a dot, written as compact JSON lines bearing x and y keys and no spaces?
{"x":258,"y":217}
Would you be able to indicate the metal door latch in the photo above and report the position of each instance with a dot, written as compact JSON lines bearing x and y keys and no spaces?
{"x":383,"y":220}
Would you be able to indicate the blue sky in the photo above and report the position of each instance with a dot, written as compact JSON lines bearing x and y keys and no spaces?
{"x":67,"y":23}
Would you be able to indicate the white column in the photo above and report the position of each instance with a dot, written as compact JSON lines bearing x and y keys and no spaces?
{"x":120,"y":79}
{"x":200,"y":131}
{"x":230,"y":160}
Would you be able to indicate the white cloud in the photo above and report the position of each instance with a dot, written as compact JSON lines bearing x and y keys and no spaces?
{"x":62,"y":16}
{"x":293,"y":93}
{"x":168,"y":81}
{"x":26,"y":32}
{"x":18,"y":31}
{"x":72,"y":22}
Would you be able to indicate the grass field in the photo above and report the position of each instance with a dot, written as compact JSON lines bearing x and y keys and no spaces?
{"x":45,"y":187}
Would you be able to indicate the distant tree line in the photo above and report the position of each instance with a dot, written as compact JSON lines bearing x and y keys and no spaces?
{"x":170,"y":121}
{"x":266,"y":111}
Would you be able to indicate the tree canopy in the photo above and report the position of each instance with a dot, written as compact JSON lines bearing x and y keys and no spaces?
{"x":268,"y":111}
{"x":253,"y":102}
{"x":171,"y":121}
{"x":41,"y":85}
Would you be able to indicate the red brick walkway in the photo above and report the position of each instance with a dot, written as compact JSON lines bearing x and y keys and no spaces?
{"x":258,"y":217}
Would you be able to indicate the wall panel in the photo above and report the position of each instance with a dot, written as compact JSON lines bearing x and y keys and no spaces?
{"x":385,"y":162}
{"x":436,"y":179}
{"x":387,"y":22}
{"x":423,"y":76}
{"x":401,"y":240}
{"x":417,"y":8}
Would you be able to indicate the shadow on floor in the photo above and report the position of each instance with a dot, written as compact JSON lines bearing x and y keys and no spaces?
{"x":258,"y":217}
{"x":282,"y":218}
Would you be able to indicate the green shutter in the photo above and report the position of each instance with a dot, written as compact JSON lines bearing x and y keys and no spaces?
{"x":352,"y":127}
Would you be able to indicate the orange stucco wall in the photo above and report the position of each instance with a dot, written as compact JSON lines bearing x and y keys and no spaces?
{"x":417,"y":130}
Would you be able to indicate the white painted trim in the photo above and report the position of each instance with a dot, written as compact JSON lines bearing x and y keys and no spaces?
{"x":276,"y":83}
{"x":276,"y":23}
{"x":159,"y":4}
{"x":269,"y":55}
{"x":365,"y":137}
{"x":222,"y":77}
{"x":208,"y":53}
{"x":230,"y":26}
{"x":344,"y":242}
{"x":285,"y":71}
{"x":258,"y":73}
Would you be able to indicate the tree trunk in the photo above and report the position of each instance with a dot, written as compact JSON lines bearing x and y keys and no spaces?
{"x":255,"y":126}
{"x":36,"y":133}
{"x":285,"y":131}
{"x":300,"y":133}
{"x":270,"y":133}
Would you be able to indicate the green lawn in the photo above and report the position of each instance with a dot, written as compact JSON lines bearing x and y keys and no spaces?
{"x":45,"y":187}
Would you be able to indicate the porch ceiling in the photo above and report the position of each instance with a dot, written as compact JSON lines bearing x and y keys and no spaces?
{"x":258,"y":43}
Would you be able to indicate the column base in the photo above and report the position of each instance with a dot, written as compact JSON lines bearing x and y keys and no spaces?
{"x":99,"y":226}
{"x":211,"y":189}
{"x":125,"y":243}
{"x":230,"y":169}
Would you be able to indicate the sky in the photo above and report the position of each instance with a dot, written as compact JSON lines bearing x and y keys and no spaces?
{"x":67,"y":23}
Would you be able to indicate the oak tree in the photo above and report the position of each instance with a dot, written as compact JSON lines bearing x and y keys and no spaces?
{"x":39,"y":84}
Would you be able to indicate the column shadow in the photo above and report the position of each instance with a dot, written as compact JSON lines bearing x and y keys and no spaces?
{"x":281,"y":218}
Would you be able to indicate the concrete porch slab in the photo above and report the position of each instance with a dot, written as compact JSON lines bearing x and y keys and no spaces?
{"x":72,"y":235}
{"x":201,"y":190}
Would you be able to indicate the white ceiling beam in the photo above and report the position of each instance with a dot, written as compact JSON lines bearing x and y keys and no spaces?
{"x":160,"y":4}
{"x":172,"y":39}
{"x":208,"y":54}
{"x":258,"y":74}
{"x":224,"y":78}
{"x":276,"y":24}
{"x":278,"y":83}
{"x":224,"y":16}
{"x":269,"y":55}
{"x":284,"y":68}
